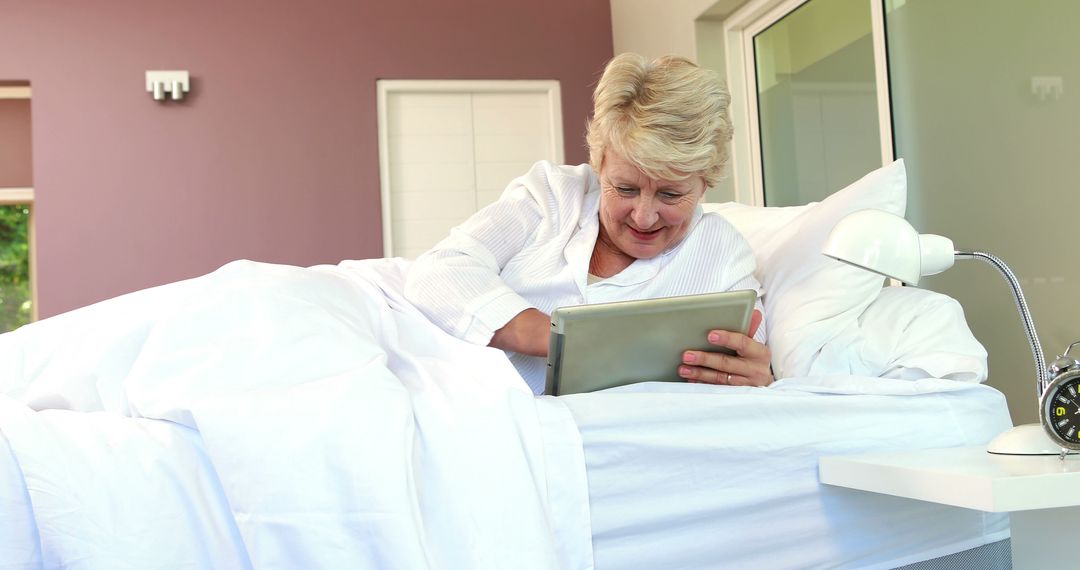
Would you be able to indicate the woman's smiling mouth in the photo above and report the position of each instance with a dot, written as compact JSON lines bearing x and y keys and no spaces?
{"x":644,"y":235}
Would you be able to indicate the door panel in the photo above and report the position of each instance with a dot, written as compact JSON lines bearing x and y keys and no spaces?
{"x":448,"y":149}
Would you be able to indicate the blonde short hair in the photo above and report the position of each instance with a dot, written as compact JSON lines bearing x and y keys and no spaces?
{"x":667,"y":116}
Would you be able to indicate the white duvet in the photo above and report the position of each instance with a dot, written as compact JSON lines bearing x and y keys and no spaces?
{"x":277,"y":417}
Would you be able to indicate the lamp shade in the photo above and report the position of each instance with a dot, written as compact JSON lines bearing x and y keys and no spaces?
{"x":887,"y":244}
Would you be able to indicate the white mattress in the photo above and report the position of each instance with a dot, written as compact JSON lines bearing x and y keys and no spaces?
{"x":691,"y":476}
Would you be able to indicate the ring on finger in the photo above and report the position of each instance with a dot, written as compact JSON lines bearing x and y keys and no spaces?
{"x":728,"y":378}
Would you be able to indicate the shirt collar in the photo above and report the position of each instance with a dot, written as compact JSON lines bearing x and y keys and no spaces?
{"x":641,"y":270}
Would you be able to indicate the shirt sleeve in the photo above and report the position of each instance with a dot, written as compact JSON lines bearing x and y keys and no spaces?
{"x":457,"y":285}
{"x":748,"y":281}
{"x":739,"y":263}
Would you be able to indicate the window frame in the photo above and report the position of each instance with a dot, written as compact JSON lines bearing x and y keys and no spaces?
{"x":739,"y":30}
{"x":23,"y":196}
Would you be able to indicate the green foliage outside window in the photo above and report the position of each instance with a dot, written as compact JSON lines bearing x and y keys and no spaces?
{"x":14,"y":267}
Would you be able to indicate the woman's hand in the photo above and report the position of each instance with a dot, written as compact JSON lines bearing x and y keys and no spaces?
{"x":748,"y":367}
{"x":526,"y":333}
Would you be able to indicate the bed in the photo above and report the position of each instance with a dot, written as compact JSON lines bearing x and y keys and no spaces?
{"x":267,"y":416}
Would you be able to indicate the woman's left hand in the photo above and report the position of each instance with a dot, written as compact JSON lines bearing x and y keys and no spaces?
{"x":749,"y":366}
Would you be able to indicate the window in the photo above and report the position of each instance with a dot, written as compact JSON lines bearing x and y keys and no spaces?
{"x":16,"y":299}
{"x":810,"y":97}
{"x":16,"y":208}
{"x":817,"y":101}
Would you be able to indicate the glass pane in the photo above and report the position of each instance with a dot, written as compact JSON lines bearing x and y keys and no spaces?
{"x":15,"y":309}
{"x":988,"y":128}
{"x":817,"y":101}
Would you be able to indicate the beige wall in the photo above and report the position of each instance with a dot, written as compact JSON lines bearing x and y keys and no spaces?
{"x":656,"y":27}
{"x":991,"y":164}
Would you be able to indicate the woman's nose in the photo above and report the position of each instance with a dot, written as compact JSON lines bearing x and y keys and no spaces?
{"x":644,"y":214}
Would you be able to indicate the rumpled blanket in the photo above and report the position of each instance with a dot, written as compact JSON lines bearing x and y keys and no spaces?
{"x":277,"y":417}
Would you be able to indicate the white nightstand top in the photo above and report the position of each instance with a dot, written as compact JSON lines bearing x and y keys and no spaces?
{"x":961,"y":476}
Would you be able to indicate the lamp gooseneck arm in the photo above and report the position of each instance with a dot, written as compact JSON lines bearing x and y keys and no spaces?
{"x":1025,"y":314}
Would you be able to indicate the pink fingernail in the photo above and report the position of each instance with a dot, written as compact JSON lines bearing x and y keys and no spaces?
{"x":714,"y":337}
{"x":689,"y":357}
{"x":684,"y":371}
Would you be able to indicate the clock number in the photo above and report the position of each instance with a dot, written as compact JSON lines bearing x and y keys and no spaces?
{"x":1059,"y":411}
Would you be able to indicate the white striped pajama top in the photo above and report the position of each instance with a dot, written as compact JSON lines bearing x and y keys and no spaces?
{"x":531,"y":249}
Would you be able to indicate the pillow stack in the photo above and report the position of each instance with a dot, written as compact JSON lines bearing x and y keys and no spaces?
{"x":811,"y":299}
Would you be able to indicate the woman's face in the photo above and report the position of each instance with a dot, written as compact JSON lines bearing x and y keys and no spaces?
{"x":640,"y":217}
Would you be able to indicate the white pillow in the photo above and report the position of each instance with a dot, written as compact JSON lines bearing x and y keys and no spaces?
{"x":809,"y":298}
{"x":911,"y":333}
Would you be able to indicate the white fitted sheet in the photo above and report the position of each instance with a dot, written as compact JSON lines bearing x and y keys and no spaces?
{"x":692,"y":476}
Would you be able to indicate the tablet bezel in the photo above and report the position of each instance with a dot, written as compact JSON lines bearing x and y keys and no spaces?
{"x":587,"y":348}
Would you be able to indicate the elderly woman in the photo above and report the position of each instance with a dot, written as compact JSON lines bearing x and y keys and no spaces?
{"x":627,"y":226}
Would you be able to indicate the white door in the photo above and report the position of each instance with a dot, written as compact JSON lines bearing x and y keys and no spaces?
{"x":449,"y":148}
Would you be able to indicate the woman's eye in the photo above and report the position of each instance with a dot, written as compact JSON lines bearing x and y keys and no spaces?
{"x":670,"y":196}
{"x":625,"y":191}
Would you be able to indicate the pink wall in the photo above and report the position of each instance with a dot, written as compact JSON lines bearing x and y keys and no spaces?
{"x":15,"y":143}
{"x":274,"y":156}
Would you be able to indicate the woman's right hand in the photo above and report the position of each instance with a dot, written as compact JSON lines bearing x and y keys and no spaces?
{"x":526,"y":333}
{"x":749,"y":366}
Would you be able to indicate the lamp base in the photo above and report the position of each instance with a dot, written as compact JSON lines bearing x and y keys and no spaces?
{"x":1026,"y":439}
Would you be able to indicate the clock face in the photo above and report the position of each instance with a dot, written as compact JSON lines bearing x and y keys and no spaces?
{"x":1062,"y":408}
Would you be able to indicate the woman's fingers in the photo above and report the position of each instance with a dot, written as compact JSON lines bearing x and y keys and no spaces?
{"x":749,"y":366}
{"x":743,"y":345}
{"x":755,"y":322}
{"x":719,"y":362}
{"x":714,"y":376}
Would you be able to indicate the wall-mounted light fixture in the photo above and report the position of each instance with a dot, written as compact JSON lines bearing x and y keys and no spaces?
{"x":1047,"y":87}
{"x":166,"y":84}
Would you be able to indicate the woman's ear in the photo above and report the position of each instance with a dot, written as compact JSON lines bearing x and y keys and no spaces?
{"x":704,"y":188}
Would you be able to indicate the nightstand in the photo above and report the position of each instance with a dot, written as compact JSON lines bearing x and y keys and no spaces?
{"x":1040,"y":493}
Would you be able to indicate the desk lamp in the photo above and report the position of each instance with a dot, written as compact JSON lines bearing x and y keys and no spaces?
{"x":885,"y":243}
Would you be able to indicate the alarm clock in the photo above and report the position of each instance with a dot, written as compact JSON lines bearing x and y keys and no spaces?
{"x":1060,"y":402}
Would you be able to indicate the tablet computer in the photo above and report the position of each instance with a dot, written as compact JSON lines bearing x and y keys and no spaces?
{"x":593,"y":347}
